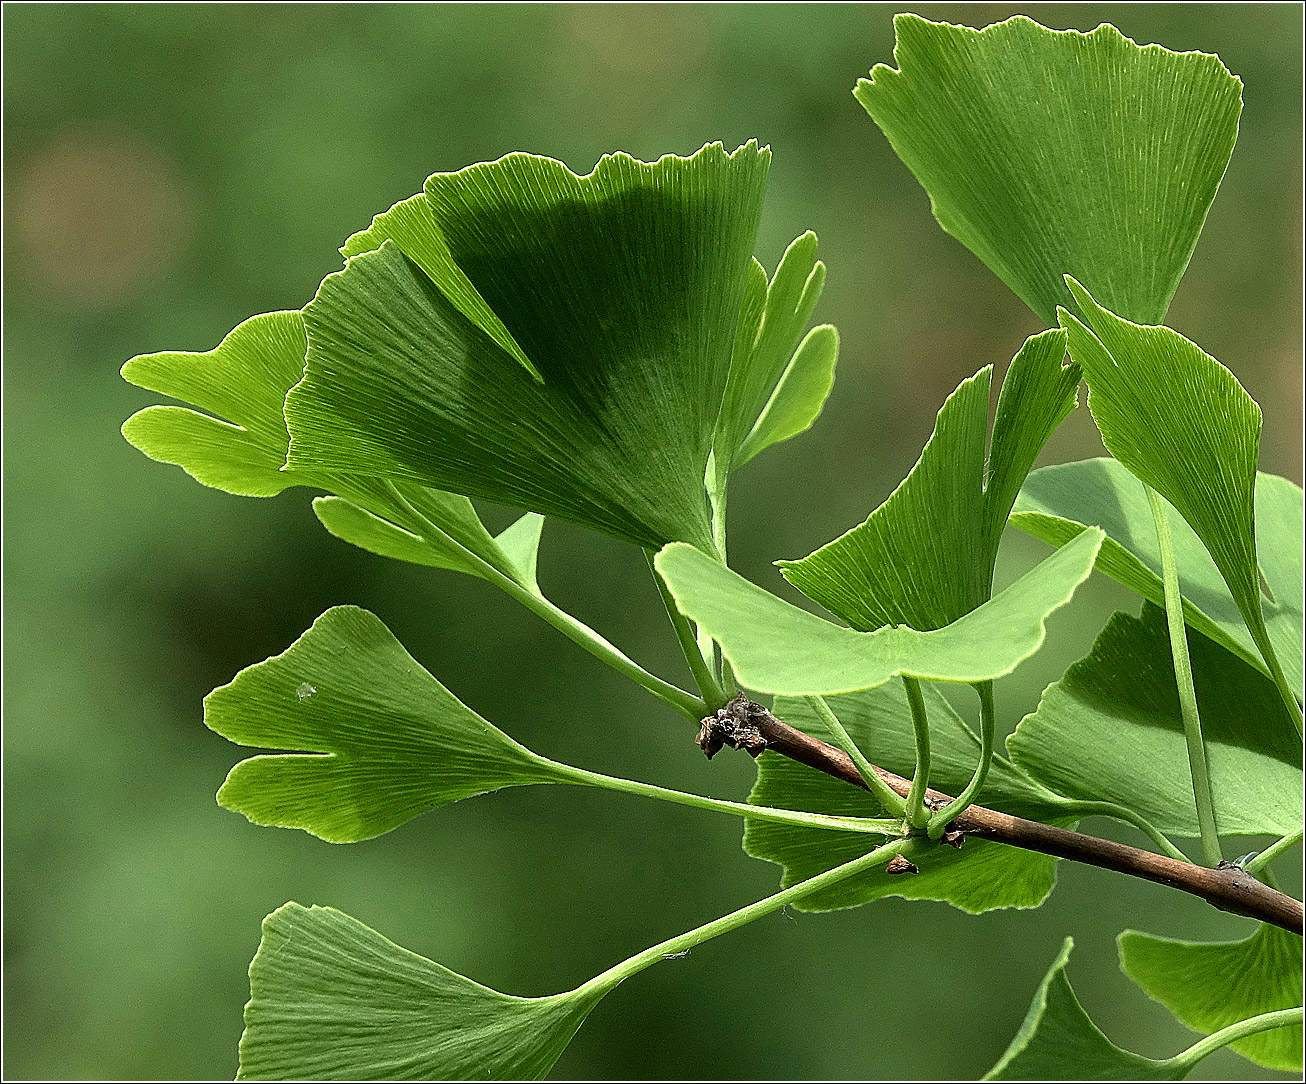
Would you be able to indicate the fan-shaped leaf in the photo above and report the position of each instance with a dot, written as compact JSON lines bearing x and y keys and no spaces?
{"x":1056,"y":502}
{"x":331,"y":999}
{"x":621,"y":288}
{"x":1046,"y":152}
{"x":241,"y":446}
{"x":1057,"y":1041}
{"x":1210,"y":986}
{"x":778,"y":648}
{"x":925,"y":557}
{"x":1179,"y":420}
{"x":1110,"y":730}
{"x":378,"y":740}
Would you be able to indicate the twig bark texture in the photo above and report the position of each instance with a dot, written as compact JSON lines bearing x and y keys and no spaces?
{"x":749,"y":726}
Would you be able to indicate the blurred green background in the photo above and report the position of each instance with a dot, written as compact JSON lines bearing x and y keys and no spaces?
{"x":172,"y":169}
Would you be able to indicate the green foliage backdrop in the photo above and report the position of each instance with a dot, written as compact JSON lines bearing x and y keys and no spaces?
{"x":171,"y":169}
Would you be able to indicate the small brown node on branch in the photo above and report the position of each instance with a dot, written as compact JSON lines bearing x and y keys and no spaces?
{"x":734,"y":725}
{"x":898,"y":864}
{"x":953,"y":837}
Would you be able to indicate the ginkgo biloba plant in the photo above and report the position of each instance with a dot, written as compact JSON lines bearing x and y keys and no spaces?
{"x":604,"y":349}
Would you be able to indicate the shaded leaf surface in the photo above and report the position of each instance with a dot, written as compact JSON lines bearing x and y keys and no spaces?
{"x":1210,"y":986}
{"x":1047,"y":152}
{"x":978,"y":877}
{"x":1111,"y":730}
{"x":377,"y":739}
{"x":1056,"y":502}
{"x":331,"y":999}
{"x":778,"y":648}
{"x":622,"y":289}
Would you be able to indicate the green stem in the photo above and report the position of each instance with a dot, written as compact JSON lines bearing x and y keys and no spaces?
{"x":917,"y":815}
{"x":890,"y":800}
{"x":940,"y":820}
{"x":716,"y":494}
{"x":1174,"y":612}
{"x":1124,"y":813}
{"x":1271,"y":853}
{"x":764,"y":813}
{"x":575,"y":630}
{"x":713,"y":696}
{"x":1280,"y":680}
{"x":601,"y":984}
{"x":1195,"y":1053}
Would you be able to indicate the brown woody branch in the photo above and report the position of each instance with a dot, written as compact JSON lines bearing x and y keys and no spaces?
{"x":742,"y":724}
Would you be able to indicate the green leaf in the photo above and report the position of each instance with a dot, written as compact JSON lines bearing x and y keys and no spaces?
{"x":798,"y":398}
{"x":520,"y":542}
{"x":243,"y":381}
{"x":1057,"y":1041}
{"x":978,"y":877}
{"x":1180,"y":422}
{"x":242,"y":450}
{"x":1110,"y":730}
{"x":1056,"y":502}
{"x":778,"y":648}
{"x":769,"y":331}
{"x":1046,"y":152}
{"x":1209,"y":986}
{"x":331,"y":999}
{"x":925,"y":557}
{"x":377,"y":739}
{"x":623,"y":290}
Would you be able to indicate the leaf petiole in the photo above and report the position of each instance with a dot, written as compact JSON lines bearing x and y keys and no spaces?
{"x":685,"y":941}
{"x":1183,"y":669}
{"x":1186,"y":1059}
{"x":575,"y":630}
{"x":917,"y":815}
{"x":699,"y":666}
{"x":940,"y":820}
{"x":1255,"y":865}
{"x":889,"y":798}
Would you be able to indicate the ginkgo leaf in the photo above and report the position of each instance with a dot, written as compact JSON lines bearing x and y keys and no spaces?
{"x":798,"y":398}
{"x":1056,"y":503}
{"x":1110,"y":730}
{"x":240,"y":446}
{"x":1057,"y":1041}
{"x":331,"y":999}
{"x":622,"y":289}
{"x":778,"y":648}
{"x":770,"y":328}
{"x":1046,"y":152}
{"x":1210,"y":986}
{"x":925,"y":557}
{"x":376,"y":739}
{"x":978,"y":877}
{"x":1180,"y":422}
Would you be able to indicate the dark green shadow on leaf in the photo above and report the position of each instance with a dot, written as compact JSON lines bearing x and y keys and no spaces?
{"x":621,"y":288}
{"x":378,"y":740}
{"x":1046,"y":152}
{"x":331,"y":999}
{"x":1210,"y":986}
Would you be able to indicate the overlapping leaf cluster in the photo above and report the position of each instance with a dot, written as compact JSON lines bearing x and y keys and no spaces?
{"x":604,"y":349}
